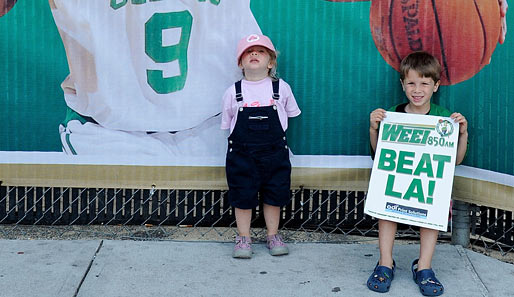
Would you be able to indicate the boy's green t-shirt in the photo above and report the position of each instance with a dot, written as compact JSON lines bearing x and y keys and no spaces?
{"x":435,"y":109}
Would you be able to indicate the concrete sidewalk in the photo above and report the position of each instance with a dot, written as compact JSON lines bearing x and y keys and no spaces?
{"x":48,"y":268}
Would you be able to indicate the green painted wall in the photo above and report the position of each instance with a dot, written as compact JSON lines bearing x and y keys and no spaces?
{"x":326,"y":54}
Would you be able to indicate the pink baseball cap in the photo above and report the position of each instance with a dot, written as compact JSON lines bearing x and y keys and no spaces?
{"x":252,"y":40}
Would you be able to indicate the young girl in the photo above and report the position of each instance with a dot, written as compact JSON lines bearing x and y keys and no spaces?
{"x":256,"y":110}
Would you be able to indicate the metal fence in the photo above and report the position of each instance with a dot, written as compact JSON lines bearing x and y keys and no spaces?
{"x":312,"y":215}
{"x":492,"y":229}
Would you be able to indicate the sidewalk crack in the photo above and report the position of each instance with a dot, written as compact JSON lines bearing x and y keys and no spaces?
{"x":469,"y":265}
{"x":88,"y":268}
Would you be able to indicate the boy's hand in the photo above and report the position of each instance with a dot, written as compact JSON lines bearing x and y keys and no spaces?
{"x":503,"y":20}
{"x":462,"y":146}
{"x":375,"y":117}
{"x":5,"y":6}
{"x":461,"y":120}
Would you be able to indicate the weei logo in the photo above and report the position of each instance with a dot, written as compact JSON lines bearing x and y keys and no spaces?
{"x":406,"y":210}
{"x":418,"y":134}
{"x":408,"y":134}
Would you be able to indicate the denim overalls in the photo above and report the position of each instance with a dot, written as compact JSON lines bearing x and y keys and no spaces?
{"x":258,"y":156}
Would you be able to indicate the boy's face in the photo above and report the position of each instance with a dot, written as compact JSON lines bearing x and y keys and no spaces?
{"x":419,"y":90}
{"x":256,"y":58}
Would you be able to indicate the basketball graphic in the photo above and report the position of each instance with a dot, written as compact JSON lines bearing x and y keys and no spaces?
{"x":5,"y":6}
{"x":461,"y":34}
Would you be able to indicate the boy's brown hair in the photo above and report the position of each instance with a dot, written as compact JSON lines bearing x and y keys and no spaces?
{"x":423,"y":63}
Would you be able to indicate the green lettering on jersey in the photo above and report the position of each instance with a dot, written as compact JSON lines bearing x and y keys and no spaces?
{"x":166,"y":54}
{"x":118,"y":3}
{"x":215,"y":2}
{"x":115,"y":4}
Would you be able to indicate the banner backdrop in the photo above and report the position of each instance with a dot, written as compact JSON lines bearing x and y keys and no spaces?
{"x":140,"y":67}
{"x":412,"y":177}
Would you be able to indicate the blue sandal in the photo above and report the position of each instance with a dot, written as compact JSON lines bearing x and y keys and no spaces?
{"x":428,"y":284}
{"x":381,"y":278}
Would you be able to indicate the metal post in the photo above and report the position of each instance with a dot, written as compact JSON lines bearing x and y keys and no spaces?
{"x":461,"y":223}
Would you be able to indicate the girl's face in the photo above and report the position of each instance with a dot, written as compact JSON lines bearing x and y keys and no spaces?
{"x":257,"y":60}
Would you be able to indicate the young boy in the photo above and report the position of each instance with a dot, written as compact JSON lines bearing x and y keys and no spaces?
{"x":420,"y":74}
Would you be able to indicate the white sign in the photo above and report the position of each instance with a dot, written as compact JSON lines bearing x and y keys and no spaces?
{"x":412,"y":176}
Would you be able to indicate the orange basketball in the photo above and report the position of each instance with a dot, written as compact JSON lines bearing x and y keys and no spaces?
{"x":5,"y":6}
{"x":461,"y":34}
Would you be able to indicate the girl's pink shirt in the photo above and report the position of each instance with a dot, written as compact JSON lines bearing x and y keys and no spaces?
{"x":255,"y":94}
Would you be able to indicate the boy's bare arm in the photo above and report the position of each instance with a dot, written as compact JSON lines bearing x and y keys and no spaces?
{"x":375,"y":117}
{"x":463,"y":136}
{"x":5,"y":6}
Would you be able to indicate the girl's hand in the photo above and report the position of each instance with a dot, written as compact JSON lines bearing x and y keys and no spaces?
{"x":461,"y":120}
{"x":375,"y":117}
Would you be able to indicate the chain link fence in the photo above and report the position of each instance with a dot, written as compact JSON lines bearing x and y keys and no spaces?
{"x":492,"y":231}
{"x":142,"y":214}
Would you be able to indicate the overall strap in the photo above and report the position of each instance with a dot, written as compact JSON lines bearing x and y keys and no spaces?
{"x":239,"y":94}
{"x":276,"y":94}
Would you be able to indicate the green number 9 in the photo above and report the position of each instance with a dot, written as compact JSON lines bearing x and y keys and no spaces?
{"x":165,"y":54}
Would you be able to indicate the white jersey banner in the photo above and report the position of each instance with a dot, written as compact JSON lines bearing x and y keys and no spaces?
{"x":412,"y":176}
{"x":152,"y":66}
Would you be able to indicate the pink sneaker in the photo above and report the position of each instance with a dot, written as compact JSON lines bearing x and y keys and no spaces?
{"x":276,"y":245}
{"x":243,"y":247}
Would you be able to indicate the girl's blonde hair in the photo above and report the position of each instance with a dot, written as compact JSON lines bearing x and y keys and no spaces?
{"x":273,"y":71}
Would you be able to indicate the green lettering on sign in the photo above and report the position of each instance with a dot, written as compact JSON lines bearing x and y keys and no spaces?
{"x":416,"y":136}
{"x":424,"y":166}
{"x":441,"y":159}
{"x":425,"y":136}
{"x":405,"y":135}
{"x":389,"y":187}
{"x":391,"y":132}
{"x":386,"y":160}
{"x":415,"y":190}
{"x":431,"y":187}
{"x":404,"y":161}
